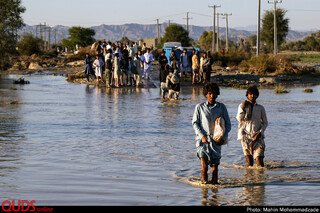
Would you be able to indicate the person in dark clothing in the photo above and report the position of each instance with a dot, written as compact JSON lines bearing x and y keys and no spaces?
{"x":125,"y":53}
{"x":163,"y":77}
{"x":108,"y":68}
{"x":163,"y":61}
{"x":88,"y":67}
{"x":209,"y":66}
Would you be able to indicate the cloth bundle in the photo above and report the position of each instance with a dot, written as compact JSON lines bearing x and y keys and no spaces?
{"x":219,"y":130}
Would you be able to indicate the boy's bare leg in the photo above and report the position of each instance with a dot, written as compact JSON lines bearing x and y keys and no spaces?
{"x":204,"y":170}
{"x":259,"y":161}
{"x":249,"y":160}
{"x":214,"y":171}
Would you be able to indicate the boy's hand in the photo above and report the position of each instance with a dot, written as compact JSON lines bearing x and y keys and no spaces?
{"x":256,"y":137}
{"x":243,"y":105}
{"x":204,"y":139}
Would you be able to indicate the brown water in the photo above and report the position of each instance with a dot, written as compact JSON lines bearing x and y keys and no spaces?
{"x":70,"y":144}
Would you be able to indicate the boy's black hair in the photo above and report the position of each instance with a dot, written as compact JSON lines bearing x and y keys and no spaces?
{"x":211,"y":87}
{"x":252,"y":90}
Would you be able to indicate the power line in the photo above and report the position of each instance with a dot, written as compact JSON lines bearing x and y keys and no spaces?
{"x":303,"y":10}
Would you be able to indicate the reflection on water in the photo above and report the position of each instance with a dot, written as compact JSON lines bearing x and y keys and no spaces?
{"x":70,"y":144}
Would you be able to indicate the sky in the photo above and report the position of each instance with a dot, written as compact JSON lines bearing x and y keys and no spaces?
{"x":303,"y":14}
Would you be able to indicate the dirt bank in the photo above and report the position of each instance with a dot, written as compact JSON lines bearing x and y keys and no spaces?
{"x":224,"y":77}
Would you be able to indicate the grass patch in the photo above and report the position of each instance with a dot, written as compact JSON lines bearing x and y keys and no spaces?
{"x":279,"y":89}
{"x":308,"y":90}
{"x":307,"y":58}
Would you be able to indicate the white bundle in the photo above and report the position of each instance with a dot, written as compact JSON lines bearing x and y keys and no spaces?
{"x":219,"y":130}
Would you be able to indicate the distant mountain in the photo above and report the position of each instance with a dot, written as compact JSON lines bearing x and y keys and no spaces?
{"x":247,"y":28}
{"x":139,"y":31}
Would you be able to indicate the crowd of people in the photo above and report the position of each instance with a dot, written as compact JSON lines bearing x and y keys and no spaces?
{"x":119,"y":65}
{"x":171,"y":73}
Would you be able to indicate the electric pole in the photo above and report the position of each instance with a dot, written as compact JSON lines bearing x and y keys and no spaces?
{"x":158,"y":30}
{"x":275,"y":25}
{"x":169,"y":22}
{"x":218,"y":14}
{"x":214,"y":26}
{"x":187,"y":22}
{"x":227,"y":29}
{"x":258,"y":28}
{"x":49,"y":38}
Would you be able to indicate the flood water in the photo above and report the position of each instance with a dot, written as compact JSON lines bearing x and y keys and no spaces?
{"x":70,"y":144}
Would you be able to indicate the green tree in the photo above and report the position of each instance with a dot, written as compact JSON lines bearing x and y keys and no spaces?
{"x":267,"y":32}
{"x":79,"y":35}
{"x":29,"y":44}
{"x":176,"y":33}
{"x":206,"y":41}
{"x":10,"y":22}
{"x":312,"y":42}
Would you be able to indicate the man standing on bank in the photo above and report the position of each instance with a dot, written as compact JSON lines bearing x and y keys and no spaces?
{"x":204,"y":117}
{"x":253,"y":122}
{"x":147,"y":64}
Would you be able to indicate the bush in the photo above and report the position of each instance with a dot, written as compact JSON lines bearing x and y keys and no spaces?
{"x":269,"y":64}
{"x":80,"y":55}
{"x":279,"y":89}
{"x":230,"y":58}
{"x":308,"y":90}
{"x":261,"y":64}
{"x":29,"y":44}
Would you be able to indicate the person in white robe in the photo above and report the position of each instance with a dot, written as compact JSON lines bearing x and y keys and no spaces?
{"x":147,"y":64}
{"x":253,"y":122}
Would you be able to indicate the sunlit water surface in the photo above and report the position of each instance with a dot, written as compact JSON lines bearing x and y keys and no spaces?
{"x":69,"y":144}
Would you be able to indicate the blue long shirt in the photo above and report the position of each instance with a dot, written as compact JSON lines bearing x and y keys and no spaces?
{"x":204,"y":119}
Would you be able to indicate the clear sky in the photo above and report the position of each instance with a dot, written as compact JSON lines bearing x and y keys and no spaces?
{"x":303,"y":14}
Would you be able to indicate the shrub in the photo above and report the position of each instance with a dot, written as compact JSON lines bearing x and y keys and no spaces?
{"x":261,"y":64}
{"x":29,"y":44}
{"x":269,"y":64}
{"x":308,"y":90}
{"x":279,"y":89}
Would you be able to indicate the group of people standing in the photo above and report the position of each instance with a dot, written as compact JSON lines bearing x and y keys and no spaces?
{"x":171,"y":73}
{"x":119,"y":65}
{"x":200,"y":66}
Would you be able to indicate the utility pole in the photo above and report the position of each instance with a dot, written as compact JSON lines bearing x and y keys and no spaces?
{"x":42,"y":29}
{"x":258,"y":28}
{"x":49,"y":38}
{"x":187,"y":22}
{"x":169,"y":22}
{"x":218,"y":14}
{"x":275,"y":25}
{"x":214,"y":26}
{"x":45,"y":36}
{"x":55,"y":36}
{"x":227,"y":29}
{"x":158,"y":30}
